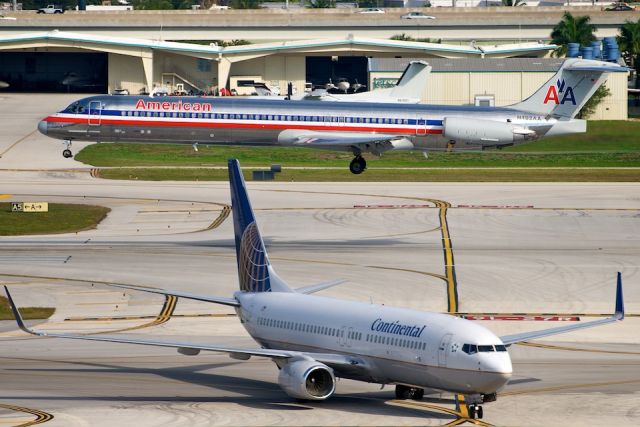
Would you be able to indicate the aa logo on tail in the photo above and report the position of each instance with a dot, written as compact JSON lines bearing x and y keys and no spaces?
{"x":560,"y":88}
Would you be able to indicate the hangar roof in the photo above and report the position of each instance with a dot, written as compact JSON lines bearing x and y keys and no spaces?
{"x":352,"y":44}
{"x":453,"y":65}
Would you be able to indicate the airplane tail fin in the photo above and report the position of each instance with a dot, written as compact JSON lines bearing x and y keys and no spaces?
{"x":413,"y":81}
{"x":254,"y":269}
{"x":570,"y":88}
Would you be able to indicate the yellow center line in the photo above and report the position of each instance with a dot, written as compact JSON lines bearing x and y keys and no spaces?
{"x":41,"y":416}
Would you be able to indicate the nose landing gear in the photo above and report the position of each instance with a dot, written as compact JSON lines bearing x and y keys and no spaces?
{"x":66,"y":153}
{"x":475,"y":411}
{"x":358,"y":165}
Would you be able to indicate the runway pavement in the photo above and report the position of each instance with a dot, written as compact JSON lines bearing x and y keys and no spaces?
{"x":507,"y":249}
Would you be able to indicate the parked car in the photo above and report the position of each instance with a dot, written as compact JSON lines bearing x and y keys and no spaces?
{"x":619,"y":7}
{"x":416,"y":15}
{"x":51,"y":9}
{"x":371,"y":10}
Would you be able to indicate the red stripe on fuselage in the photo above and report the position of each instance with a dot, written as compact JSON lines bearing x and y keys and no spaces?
{"x":236,"y":125}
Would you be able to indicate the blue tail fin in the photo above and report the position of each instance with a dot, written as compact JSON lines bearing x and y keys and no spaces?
{"x":254,"y":270}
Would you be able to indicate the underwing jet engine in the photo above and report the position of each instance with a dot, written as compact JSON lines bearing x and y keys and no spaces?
{"x":307,"y":379}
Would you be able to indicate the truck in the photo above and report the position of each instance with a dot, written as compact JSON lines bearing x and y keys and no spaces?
{"x":51,"y":9}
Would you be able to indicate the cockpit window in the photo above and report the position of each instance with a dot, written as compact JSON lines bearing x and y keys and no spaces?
{"x":473,"y":348}
{"x":76,"y":107}
{"x":470,"y":348}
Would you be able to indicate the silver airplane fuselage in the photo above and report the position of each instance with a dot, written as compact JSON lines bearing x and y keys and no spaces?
{"x":202,"y":120}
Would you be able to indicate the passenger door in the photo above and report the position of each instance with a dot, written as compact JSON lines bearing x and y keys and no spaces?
{"x":443,"y":349}
{"x":95,"y":113}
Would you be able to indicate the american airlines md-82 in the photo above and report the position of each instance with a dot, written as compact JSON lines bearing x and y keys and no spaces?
{"x":314,"y":339}
{"x":345,"y":126}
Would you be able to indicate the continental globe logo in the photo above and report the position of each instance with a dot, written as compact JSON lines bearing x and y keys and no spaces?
{"x":253,"y":263}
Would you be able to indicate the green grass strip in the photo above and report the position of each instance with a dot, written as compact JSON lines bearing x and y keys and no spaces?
{"x":61,"y":218}
{"x":26,"y":312}
{"x":385,"y":175}
{"x":606,"y":144}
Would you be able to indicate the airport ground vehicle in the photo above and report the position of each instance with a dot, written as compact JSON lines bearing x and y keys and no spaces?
{"x":416,"y":15}
{"x":51,"y":9}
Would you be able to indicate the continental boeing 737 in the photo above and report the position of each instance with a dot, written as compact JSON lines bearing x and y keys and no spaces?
{"x":354,"y":127}
{"x":313,"y":339}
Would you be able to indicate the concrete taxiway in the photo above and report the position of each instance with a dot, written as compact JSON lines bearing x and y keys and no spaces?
{"x":527,"y":251}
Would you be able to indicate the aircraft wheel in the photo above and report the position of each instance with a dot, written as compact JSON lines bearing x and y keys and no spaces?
{"x":67,"y":153}
{"x":417,"y":393}
{"x":471,"y":409}
{"x":358,"y":165}
{"x":479,"y":412}
{"x":402,"y":392}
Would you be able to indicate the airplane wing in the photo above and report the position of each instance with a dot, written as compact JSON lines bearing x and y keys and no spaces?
{"x":192,"y":349}
{"x":309,"y":289}
{"x":217,"y":300}
{"x":617,"y":316}
{"x":344,"y":140}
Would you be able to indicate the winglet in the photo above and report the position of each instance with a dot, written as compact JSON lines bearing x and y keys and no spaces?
{"x":619,"y":301}
{"x":17,"y":314}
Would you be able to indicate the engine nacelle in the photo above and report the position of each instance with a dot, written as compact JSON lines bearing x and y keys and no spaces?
{"x":307,"y":379}
{"x":486,"y":132}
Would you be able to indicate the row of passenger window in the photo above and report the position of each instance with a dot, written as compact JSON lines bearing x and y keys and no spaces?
{"x":272,"y":117}
{"x":396,"y":341}
{"x":473,"y":349}
{"x":306,"y":327}
{"x":335,"y":332}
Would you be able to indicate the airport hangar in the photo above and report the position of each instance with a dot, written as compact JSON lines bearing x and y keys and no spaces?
{"x":487,"y":75}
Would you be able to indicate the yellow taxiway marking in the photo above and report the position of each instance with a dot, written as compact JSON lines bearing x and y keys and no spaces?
{"x":447,"y":247}
{"x":41,"y":416}
{"x":5,"y":196}
{"x":166,"y":312}
{"x":462,"y":416}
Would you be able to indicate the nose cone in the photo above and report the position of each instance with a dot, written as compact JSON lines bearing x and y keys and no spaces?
{"x":42,"y":127}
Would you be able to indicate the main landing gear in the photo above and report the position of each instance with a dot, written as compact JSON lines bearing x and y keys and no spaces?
{"x":405,"y":392}
{"x":358,"y":165}
{"x":66,"y":153}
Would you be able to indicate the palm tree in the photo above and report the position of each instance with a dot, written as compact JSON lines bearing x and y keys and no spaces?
{"x":629,"y":43}
{"x":322,"y":4}
{"x":572,"y":29}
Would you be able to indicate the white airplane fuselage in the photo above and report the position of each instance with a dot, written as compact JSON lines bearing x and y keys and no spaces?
{"x":392,"y":345}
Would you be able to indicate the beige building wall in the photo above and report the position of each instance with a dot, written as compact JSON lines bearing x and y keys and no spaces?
{"x":507,"y":88}
{"x":275,"y":70}
{"x":125,"y":72}
{"x":614,"y":106}
{"x":170,"y":69}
